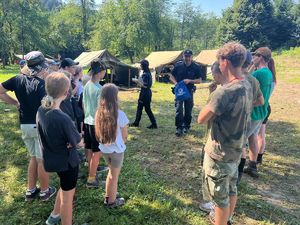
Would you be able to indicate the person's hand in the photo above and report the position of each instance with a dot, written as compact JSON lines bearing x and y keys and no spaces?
{"x":212,"y":87}
{"x":187,"y":81}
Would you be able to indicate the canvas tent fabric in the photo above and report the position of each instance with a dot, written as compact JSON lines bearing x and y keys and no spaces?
{"x":121,"y":73}
{"x":157,"y":60}
{"x":206,"y":57}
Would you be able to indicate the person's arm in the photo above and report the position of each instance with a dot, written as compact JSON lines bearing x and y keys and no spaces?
{"x":173,"y":79}
{"x":72,"y":135}
{"x":259,"y":101}
{"x":205,"y":115}
{"x":189,"y":81}
{"x":124,"y":131}
{"x":6,"y":98}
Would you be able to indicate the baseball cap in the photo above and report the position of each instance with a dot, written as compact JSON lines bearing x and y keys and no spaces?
{"x":97,"y":66}
{"x":35,"y":62}
{"x":145,"y":63}
{"x":68,"y":62}
{"x":265,"y":52}
{"x":188,"y":52}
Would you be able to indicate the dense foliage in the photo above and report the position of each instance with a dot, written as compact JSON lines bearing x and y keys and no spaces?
{"x":133,"y":28}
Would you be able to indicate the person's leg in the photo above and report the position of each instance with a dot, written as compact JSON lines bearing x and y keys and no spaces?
{"x":112,"y":188}
{"x":56,"y":209}
{"x":66,"y":206}
{"x":150,"y":113}
{"x":253,"y":147}
{"x":261,"y":142}
{"x":188,"y":108}
{"x":233,"y":200}
{"x":139,"y":112}
{"x":241,"y":166}
{"x":94,"y":162}
{"x":32,"y":175}
{"x":42,"y":175}
{"x":179,"y":115}
{"x":221,"y":215}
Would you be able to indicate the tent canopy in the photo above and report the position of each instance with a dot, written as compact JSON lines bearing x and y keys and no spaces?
{"x":206,"y":57}
{"x":162,"y":58}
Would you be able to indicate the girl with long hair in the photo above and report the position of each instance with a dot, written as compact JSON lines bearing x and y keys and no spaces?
{"x":59,"y":138}
{"x":111,"y":132}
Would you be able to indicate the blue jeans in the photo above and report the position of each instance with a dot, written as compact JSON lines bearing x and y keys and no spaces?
{"x":184,"y":113}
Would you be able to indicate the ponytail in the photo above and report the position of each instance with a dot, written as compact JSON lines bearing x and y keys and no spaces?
{"x":48,"y":102}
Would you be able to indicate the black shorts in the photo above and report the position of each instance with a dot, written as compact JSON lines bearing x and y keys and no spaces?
{"x":68,"y":178}
{"x":90,"y":138}
{"x":267,"y":117}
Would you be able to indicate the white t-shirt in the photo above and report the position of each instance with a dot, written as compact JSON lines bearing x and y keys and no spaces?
{"x":118,"y":146}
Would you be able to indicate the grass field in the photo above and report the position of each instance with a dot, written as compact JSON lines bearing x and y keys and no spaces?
{"x":161,"y":177}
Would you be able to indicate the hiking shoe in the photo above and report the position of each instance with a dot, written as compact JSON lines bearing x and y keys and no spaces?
{"x":102,"y":168}
{"x":179,"y":132}
{"x":30,"y":195}
{"x":251,"y":172}
{"x":118,"y":202}
{"x":152,"y":126}
{"x":105,"y":202}
{"x":185,"y":130}
{"x":207,"y":207}
{"x":95,"y":184}
{"x":45,"y":196}
{"x":53,"y":220}
{"x":133,"y":124}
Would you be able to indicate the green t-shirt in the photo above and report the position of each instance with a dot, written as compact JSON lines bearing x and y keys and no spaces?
{"x":231,"y":104}
{"x":91,"y":96}
{"x":265,"y":79}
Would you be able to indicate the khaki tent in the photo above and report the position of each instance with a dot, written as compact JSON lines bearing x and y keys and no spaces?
{"x":206,"y":57}
{"x":121,"y":73}
{"x":157,"y":60}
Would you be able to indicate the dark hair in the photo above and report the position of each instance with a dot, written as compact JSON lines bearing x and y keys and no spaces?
{"x":96,"y":67}
{"x":215,"y":68}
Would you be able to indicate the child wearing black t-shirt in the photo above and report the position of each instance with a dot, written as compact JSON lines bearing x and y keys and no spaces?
{"x":59,"y":138}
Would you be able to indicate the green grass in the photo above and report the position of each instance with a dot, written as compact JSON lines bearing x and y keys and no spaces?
{"x":161,"y":177}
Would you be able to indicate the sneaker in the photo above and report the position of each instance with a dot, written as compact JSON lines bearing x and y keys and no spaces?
{"x":45,"y":196}
{"x":251,"y":172}
{"x":117,"y":203}
{"x":53,"y":220}
{"x":102,"y":168}
{"x":152,"y":126}
{"x":185,"y":130}
{"x":179,"y":132}
{"x":105,"y":202}
{"x":133,"y":124}
{"x":29,"y":196}
{"x":207,"y":207}
{"x":95,"y":184}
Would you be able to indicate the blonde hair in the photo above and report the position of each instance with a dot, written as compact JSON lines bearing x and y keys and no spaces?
{"x":57,"y":84}
{"x":233,"y":52}
{"x":106,"y":119}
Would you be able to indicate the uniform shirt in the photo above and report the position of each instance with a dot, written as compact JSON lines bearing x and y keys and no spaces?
{"x":231,"y":104}
{"x":56,"y":132}
{"x":265,"y":79}
{"x":29,"y":91}
{"x":147,"y":80}
{"x":91,"y":96}
{"x":118,"y":146}
{"x":181,"y":72}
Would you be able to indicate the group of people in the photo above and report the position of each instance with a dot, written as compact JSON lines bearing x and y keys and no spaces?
{"x":59,"y":107}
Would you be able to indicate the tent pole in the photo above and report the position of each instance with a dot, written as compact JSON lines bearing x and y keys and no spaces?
{"x":129,"y":75}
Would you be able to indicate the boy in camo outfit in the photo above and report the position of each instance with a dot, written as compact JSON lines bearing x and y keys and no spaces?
{"x":228,"y":112}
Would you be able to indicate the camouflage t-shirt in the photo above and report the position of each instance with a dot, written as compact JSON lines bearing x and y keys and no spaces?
{"x":232,"y":105}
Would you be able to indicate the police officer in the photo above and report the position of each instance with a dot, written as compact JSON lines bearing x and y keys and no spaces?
{"x":145,"y":97}
{"x":189,"y":72}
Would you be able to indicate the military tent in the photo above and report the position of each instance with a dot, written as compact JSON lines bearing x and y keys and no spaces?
{"x":121,"y":73}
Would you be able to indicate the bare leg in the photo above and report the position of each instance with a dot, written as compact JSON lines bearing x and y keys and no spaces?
{"x":221,"y":216}
{"x":112,"y":184}
{"x":32,"y":175}
{"x":56,"y":209}
{"x":94,"y":162}
{"x":262,"y":139}
{"x":66,"y":206}
{"x":233,"y":200}
{"x":42,"y":175}
{"x":253,"y":148}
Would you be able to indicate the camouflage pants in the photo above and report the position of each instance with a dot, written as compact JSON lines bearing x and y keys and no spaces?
{"x":219,"y":181}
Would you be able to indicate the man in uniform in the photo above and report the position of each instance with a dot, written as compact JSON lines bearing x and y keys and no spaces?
{"x":190,"y":73}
